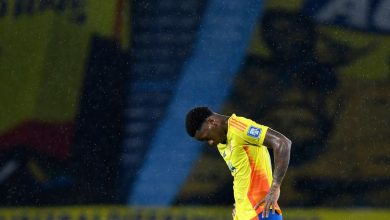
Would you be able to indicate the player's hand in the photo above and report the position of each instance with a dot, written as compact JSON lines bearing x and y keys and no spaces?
{"x":234,"y":210}
{"x":269,"y":200}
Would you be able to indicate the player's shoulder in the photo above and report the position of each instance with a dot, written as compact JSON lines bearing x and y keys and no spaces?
{"x":245,"y":127}
{"x":239,"y":125}
{"x":240,"y":122}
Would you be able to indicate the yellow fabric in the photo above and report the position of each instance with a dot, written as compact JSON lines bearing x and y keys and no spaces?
{"x":43,"y":55}
{"x":250,"y":164}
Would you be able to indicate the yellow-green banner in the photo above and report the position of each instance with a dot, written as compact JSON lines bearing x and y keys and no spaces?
{"x":44,"y":52}
{"x":182,"y":213}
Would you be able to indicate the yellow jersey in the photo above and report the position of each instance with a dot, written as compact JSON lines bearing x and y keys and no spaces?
{"x":249,"y":163}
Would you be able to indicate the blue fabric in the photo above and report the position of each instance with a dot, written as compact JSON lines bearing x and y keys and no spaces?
{"x":272,"y":216}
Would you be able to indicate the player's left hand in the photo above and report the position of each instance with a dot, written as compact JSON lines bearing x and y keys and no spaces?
{"x":269,"y":200}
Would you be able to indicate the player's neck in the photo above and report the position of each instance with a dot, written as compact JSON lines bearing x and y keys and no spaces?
{"x":225,"y":123}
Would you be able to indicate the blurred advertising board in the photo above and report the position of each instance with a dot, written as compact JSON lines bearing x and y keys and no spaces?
{"x":176,"y":213}
{"x":44,"y":46}
{"x":55,"y":58}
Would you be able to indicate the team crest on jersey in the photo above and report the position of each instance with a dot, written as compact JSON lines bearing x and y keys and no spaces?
{"x":254,"y":132}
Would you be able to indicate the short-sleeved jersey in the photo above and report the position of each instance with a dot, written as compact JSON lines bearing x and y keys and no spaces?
{"x":249,"y":163}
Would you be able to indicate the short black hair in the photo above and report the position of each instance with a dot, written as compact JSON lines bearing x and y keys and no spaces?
{"x":195,"y":118}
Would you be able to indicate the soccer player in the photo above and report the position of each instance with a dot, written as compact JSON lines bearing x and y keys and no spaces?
{"x":243,"y":145}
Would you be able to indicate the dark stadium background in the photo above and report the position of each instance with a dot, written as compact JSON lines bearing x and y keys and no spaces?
{"x":93,"y":94}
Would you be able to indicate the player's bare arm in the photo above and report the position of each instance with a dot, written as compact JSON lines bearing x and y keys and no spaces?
{"x":281,"y":146}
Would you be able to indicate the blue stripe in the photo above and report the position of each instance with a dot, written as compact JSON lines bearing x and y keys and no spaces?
{"x":206,"y":80}
{"x":163,"y":37}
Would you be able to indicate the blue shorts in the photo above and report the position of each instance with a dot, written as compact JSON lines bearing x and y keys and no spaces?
{"x":271,"y":216}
